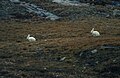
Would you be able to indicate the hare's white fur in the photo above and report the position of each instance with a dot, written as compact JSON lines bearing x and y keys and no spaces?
{"x":95,"y":33}
{"x":31,"y":39}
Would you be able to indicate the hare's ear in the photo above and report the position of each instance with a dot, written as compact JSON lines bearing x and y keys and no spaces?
{"x":28,"y":35}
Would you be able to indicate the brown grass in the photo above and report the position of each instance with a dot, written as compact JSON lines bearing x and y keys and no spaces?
{"x":68,"y":34}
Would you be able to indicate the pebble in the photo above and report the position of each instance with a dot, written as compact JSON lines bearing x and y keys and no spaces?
{"x":62,"y":59}
{"x":94,"y":51}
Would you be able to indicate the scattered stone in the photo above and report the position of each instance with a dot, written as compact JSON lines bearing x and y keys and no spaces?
{"x":31,"y":8}
{"x":45,"y":68}
{"x":84,"y":67}
{"x":114,"y":60}
{"x":97,"y":62}
{"x":45,"y":40}
{"x":57,"y":75}
{"x":70,"y":3}
{"x":25,"y":10}
{"x":81,"y":54}
{"x":73,"y":65}
{"x":108,"y":15}
{"x":62,"y":59}
{"x":15,"y":1}
{"x":94,"y":51}
{"x":116,"y":12}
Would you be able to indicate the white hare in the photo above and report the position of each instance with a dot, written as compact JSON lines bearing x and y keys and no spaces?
{"x":31,"y":39}
{"x":95,"y":33}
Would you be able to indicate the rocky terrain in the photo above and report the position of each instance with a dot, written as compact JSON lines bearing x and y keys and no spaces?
{"x":64,"y":48}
